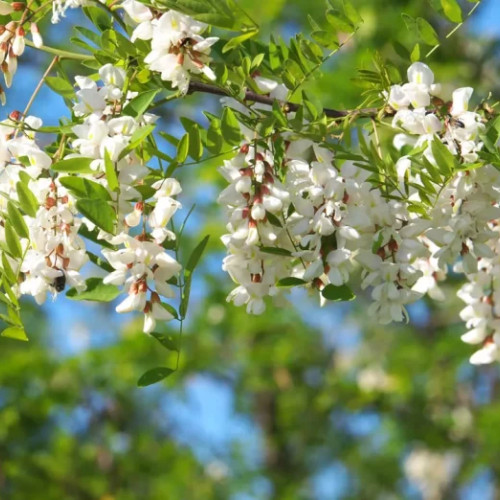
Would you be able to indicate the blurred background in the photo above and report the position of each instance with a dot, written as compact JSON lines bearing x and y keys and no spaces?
{"x":301,"y":403}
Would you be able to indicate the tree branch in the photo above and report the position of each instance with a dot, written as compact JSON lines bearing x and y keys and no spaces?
{"x":290,"y":106}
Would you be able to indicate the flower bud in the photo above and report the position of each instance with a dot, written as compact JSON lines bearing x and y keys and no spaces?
{"x":36,"y":36}
{"x":18,"y":44}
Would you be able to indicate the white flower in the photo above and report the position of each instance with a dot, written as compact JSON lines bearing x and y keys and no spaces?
{"x":419,"y":73}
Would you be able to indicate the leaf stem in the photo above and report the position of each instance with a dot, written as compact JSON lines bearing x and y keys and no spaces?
{"x":62,"y":54}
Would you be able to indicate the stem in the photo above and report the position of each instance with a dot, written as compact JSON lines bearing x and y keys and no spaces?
{"x":377,"y":140}
{"x":39,"y":86}
{"x":290,"y":106}
{"x":454,"y":30}
{"x":63,"y":54}
{"x":35,"y":92}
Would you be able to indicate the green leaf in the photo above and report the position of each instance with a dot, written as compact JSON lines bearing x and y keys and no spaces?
{"x":230,"y":127}
{"x":338,"y":21}
{"x":214,"y":137}
{"x":415,"y":53}
{"x":137,"y":139}
{"x":140,"y":104}
{"x":338,"y":293}
{"x":16,"y":219}
{"x":98,"y":17}
{"x":186,"y":292}
{"x":12,"y":240}
{"x":273,"y":220}
{"x":7,"y":269}
{"x":195,"y":147}
{"x":237,"y":40}
{"x":290,"y":281}
{"x":352,"y":13}
{"x":274,"y":55}
{"x":426,"y":32}
{"x":60,"y":85}
{"x":154,"y":375}
{"x":196,"y":255}
{"x":166,"y":341}
{"x":276,"y":251}
{"x":74,"y":165}
{"x":325,"y":38}
{"x":111,"y":176}
{"x":10,"y":294}
{"x":452,"y":10}
{"x":183,"y":149}
{"x":99,"y":212}
{"x":444,"y":159}
{"x":15,"y":332}
{"x":85,"y":188}
{"x":96,"y":291}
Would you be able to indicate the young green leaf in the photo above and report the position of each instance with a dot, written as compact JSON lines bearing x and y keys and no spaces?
{"x":15,"y":332}
{"x":452,"y":10}
{"x":17,"y":220}
{"x":60,"y":86}
{"x":96,"y":291}
{"x":183,"y":149}
{"x":77,"y":164}
{"x":166,"y":341}
{"x":154,"y":375}
{"x":276,"y":251}
{"x":140,"y":104}
{"x":338,"y":293}
{"x":196,"y":255}
{"x":195,"y":146}
{"x":111,"y":176}
{"x":290,"y":281}
{"x":99,"y":212}
{"x":427,"y":32}
{"x":237,"y":40}
{"x":85,"y":188}
{"x":230,"y":127}
{"x":444,"y":159}
{"x":12,"y":240}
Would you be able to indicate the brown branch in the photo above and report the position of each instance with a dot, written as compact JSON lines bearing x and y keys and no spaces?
{"x":289,"y":106}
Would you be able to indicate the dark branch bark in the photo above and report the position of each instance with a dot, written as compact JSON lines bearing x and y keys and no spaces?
{"x":290,"y":106}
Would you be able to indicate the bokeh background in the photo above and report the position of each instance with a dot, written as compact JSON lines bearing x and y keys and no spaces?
{"x":300,"y":403}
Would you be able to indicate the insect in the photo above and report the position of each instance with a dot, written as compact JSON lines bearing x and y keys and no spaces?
{"x":454,"y":122}
{"x":59,"y":282}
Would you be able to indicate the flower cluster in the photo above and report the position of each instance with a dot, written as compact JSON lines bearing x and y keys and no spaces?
{"x":139,"y":260}
{"x":52,"y":253}
{"x":177,"y":48}
{"x":308,"y":218}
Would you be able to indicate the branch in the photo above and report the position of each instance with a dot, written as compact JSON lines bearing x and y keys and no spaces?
{"x":289,"y":106}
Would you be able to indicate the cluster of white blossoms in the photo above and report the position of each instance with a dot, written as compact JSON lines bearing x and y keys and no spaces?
{"x":310,"y":219}
{"x":140,"y":262}
{"x":177,"y":48}
{"x":51,"y":252}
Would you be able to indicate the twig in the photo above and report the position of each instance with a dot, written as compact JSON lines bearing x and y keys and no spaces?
{"x":289,"y":106}
{"x":35,"y":92}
